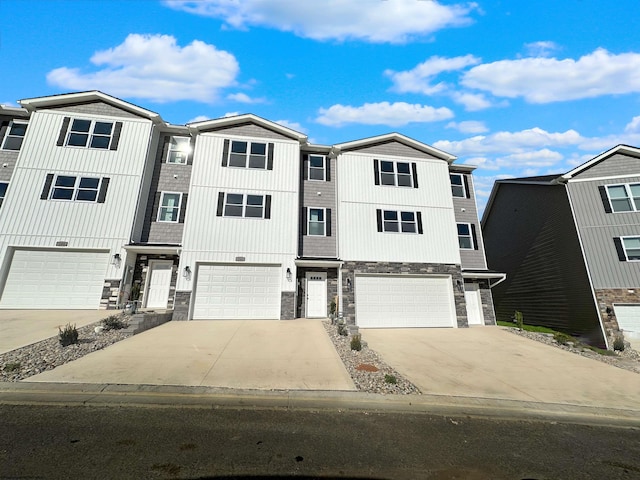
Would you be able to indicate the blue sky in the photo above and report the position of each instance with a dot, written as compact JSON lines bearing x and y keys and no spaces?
{"x":517,"y":88}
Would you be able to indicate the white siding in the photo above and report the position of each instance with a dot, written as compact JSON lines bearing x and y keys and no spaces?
{"x":359,"y":198}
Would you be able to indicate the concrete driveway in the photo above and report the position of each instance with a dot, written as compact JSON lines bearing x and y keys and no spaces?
{"x":19,"y":328}
{"x":244,"y":354}
{"x":490,"y":362}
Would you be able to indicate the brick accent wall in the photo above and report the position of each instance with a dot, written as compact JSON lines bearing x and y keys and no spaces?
{"x":110,"y":292}
{"x":607,"y":297}
{"x":141,"y":271}
{"x":487,"y":303}
{"x":287,"y":306}
{"x":350,"y":269}
{"x":181,"y":306}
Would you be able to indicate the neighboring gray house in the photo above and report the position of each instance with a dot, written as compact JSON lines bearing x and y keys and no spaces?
{"x":570,"y":246}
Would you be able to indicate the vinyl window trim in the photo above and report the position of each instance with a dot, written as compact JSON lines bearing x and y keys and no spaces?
{"x":245,"y":205}
{"x":13,"y":137}
{"x":311,"y":169}
{"x":4,"y":186}
{"x":173,"y":208}
{"x":247,"y":154}
{"x":460,"y":186}
{"x":462,"y":236}
{"x":178,"y":150}
{"x":75,"y":189}
{"x":628,"y":196}
{"x":323,"y":222}
{"x":396,"y":174}
{"x":626,"y":249}
{"x":91,"y":133}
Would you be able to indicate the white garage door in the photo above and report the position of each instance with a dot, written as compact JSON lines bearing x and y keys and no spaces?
{"x":56,"y":279}
{"x":237,"y":292}
{"x":395,"y":302}
{"x":628,"y":317}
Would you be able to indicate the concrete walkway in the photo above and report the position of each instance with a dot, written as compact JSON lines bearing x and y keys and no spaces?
{"x":489,"y":362}
{"x":247,"y":354}
{"x":19,"y":328}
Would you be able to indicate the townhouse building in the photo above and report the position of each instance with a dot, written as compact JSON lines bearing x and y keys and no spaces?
{"x":233,"y":218}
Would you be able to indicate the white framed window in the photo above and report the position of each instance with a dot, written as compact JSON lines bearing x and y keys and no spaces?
{"x":90,"y":133}
{"x":72,"y":188}
{"x":316,"y":222}
{"x":15,"y":135}
{"x":179,"y":150}
{"x":3,"y":191}
{"x":317,"y":167}
{"x":395,"y":174}
{"x":457,"y":185}
{"x":399,"y":222}
{"x":631,"y":247}
{"x":247,"y":155}
{"x":169,"y":208}
{"x":246,"y":206}
{"x":624,"y":198}
{"x":465,"y":236}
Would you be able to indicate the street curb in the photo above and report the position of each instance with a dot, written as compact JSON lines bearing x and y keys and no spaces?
{"x":167,"y":396}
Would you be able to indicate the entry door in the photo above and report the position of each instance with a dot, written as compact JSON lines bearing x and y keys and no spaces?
{"x":316,"y":294}
{"x":159,"y":284}
{"x":474,"y":304}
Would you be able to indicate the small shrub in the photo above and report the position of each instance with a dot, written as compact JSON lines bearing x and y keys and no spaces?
{"x":618,"y":342}
{"x":342,"y":329}
{"x":356,"y":343}
{"x":68,"y":335}
{"x":114,"y":322}
{"x":12,"y":366}
{"x":519,"y":319}
{"x":390,"y":379}
{"x":332,"y":307}
{"x":563,"y":338}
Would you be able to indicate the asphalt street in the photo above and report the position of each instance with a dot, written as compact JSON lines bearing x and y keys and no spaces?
{"x":41,"y":441}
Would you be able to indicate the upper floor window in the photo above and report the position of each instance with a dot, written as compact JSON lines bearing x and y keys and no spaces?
{"x":396,"y":174}
{"x":623,"y":198}
{"x":243,"y":154}
{"x":458,"y":185}
{"x":179,"y":149}
{"x":169,"y":210}
{"x":467,"y":239}
{"x":80,"y":132}
{"x":244,"y":205}
{"x":15,"y":135}
{"x":399,"y":222}
{"x":3,"y":191}
{"x":628,"y":248}
{"x":74,"y":188}
{"x":317,"y":167}
{"x":316,"y":222}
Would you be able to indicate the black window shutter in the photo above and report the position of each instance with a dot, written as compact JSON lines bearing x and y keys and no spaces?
{"x":225,"y":152}
{"x":102,"y":195}
{"x":47,"y":187}
{"x":475,"y":238}
{"x":192,"y":149}
{"x":63,"y":131}
{"x":156,"y":206}
{"x":376,"y":174}
{"x":414,"y":172}
{"x":328,"y":168}
{"x":304,"y":220}
{"x":605,"y":199}
{"x":466,"y":186}
{"x":166,"y":141}
{"x":3,"y":128}
{"x":620,"y":249}
{"x":305,"y":167}
{"x":183,"y":208}
{"x":328,"y":222}
{"x":419,"y":219}
{"x":379,"y":217}
{"x":267,"y":207}
{"x":270,"y":156}
{"x":115,"y":140}
{"x":220,"y":204}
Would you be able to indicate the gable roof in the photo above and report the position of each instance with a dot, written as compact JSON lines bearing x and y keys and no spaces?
{"x":398,"y":137}
{"x":32,"y":104}
{"x":624,"y":149}
{"x":247,"y":118}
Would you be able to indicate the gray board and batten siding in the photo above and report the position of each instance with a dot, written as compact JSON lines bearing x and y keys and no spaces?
{"x":530,"y":235}
{"x":617,"y":164}
{"x":95,"y":107}
{"x":248,"y":130}
{"x":391,"y":148}
{"x":466,"y":211}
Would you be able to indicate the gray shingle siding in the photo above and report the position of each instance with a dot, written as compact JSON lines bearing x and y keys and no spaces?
{"x":615,"y":165}
{"x":392,"y":148}
{"x":249,"y":130}
{"x":94,"y":108}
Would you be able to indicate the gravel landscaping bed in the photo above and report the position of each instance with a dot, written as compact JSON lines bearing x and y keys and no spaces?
{"x":366,"y":368}
{"x":628,"y":359}
{"x":48,"y":354}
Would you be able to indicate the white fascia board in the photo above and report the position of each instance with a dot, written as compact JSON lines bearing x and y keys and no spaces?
{"x":14,"y":111}
{"x":462,"y":168}
{"x":399,"y":138}
{"x":153,"y":249}
{"x":32,"y":104}
{"x":626,"y":149}
{"x":500,"y":277}
{"x":318,"y":263}
{"x":249,"y":117}
{"x":175,"y":129}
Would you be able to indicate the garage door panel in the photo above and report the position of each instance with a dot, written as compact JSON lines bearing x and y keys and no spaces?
{"x":387,"y":301}
{"x":55,"y":279}
{"x":628,"y":317}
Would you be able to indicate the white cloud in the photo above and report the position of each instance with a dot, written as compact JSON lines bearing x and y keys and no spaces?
{"x":419,"y":79}
{"x":541,"y":49}
{"x":199,"y":118}
{"x":156,"y":68}
{"x":544,"y":80}
{"x":383,"y":113}
{"x":231,"y":114}
{"x":472,"y":102}
{"x":244,"y":98}
{"x":292,"y":125}
{"x":633,"y":126}
{"x":469,"y":126}
{"x":396,"y":21}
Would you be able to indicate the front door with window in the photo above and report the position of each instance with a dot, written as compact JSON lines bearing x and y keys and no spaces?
{"x":316,"y":295}
{"x":159,"y":284}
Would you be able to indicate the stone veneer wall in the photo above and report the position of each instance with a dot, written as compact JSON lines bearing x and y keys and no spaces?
{"x":350,"y":269}
{"x":142,"y":270}
{"x":332,"y":288}
{"x":110,"y":292}
{"x":181,"y":306}
{"x":607,"y":297}
{"x":287,"y":306}
{"x":487,"y":303}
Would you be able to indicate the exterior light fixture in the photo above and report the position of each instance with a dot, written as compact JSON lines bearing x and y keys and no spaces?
{"x":349,"y":286}
{"x":288,"y":274}
{"x":460,"y":286}
{"x":115,"y":260}
{"x":186,"y":273}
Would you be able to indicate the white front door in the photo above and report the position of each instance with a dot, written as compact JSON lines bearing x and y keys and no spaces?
{"x":316,"y":294}
{"x":474,"y":304}
{"x":159,"y":284}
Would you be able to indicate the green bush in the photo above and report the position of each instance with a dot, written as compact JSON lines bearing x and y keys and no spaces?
{"x":114,"y":322}
{"x":332,"y":307}
{"x":618,"y":342}
{"x":12,"y":366}
{"x":342,"y":329}
{"x":390,"y":379}
{"x":519,"y":319}
{"x":68,"y":335}
{"x":356,"y":343}
{"x":563,"y":338}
